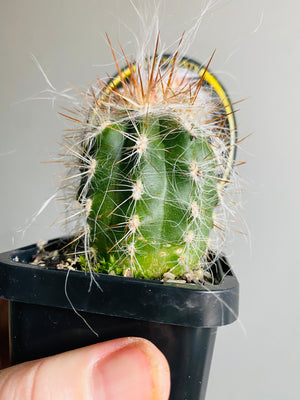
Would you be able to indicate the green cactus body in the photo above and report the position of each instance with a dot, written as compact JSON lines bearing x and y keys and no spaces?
{"x":152,"y":176}
{"x":152,"y":196}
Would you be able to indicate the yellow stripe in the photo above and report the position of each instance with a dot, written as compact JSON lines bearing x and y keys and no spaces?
{"x":117,"y":80}
{"x":211,"y":80}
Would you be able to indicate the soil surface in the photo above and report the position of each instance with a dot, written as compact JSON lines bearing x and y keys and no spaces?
{"x":51,"y":257}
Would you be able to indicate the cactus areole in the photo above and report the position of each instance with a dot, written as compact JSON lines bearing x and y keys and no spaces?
{"x":156,"y":150}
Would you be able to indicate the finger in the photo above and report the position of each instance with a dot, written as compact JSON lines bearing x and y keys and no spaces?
{"x":128,"y":368}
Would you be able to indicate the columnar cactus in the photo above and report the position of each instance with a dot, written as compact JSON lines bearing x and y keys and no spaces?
{"x":154,"y":151}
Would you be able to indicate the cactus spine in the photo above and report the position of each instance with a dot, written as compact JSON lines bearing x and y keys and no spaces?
{"x":153,"y":155}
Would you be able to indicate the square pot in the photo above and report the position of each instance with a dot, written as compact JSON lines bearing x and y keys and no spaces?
{"x":53,"y":310}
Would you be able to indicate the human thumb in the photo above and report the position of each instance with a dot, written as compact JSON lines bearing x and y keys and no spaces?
{"x":120,"y":369}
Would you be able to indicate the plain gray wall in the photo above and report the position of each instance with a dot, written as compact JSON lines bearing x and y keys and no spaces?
{"x":257,"y":45}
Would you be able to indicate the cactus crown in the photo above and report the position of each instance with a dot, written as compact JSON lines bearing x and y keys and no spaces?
{"x":153,"y":149}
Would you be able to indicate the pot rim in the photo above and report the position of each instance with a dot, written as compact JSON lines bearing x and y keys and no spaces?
{"x":169,"y":303}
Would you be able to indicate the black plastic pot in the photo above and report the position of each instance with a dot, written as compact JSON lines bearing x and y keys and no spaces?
{"x":180,"y":319}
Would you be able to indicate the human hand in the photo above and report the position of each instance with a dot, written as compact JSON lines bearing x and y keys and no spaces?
{"x":120,"y":369}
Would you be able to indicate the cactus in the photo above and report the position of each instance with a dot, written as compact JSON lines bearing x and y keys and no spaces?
{"x":154,"y":151}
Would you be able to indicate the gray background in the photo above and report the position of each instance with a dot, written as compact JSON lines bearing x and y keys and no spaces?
{"x":257,"y":55}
